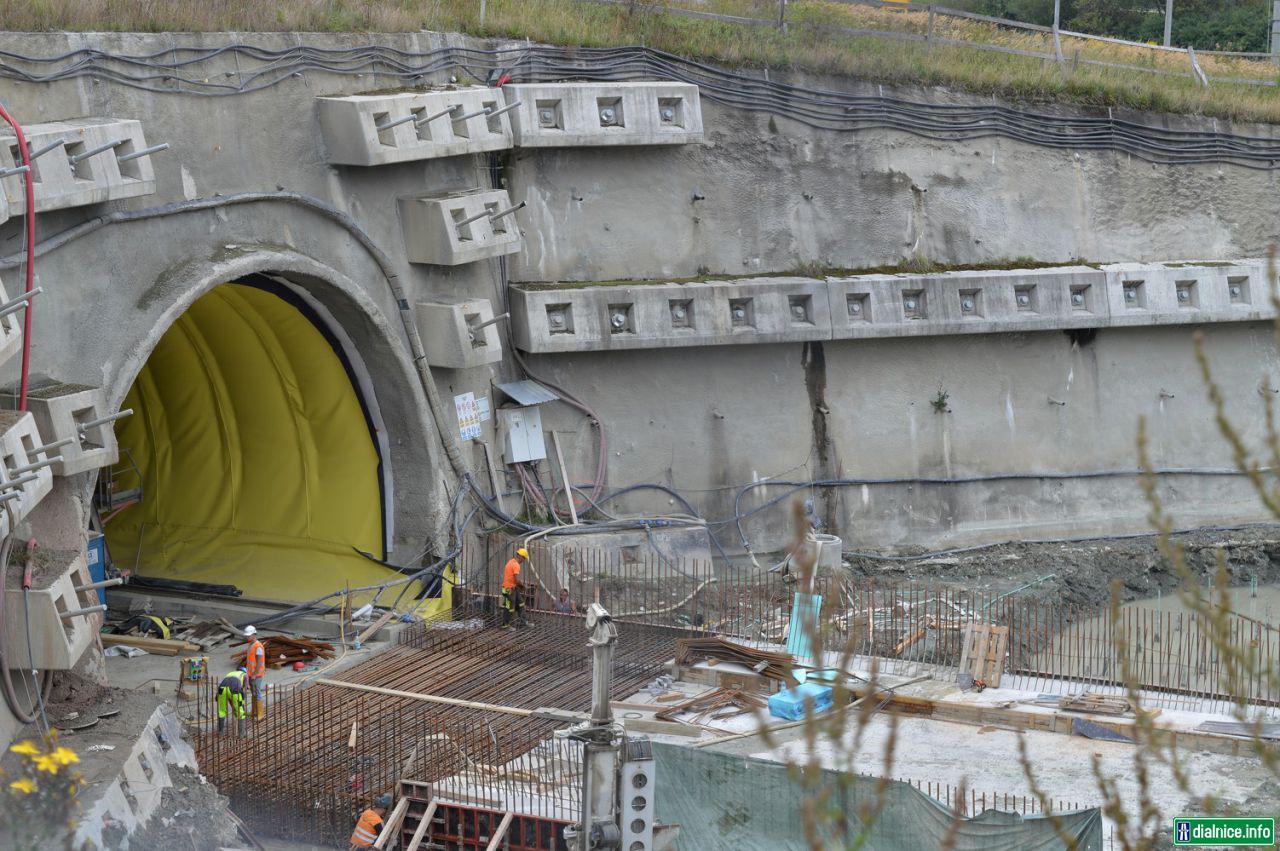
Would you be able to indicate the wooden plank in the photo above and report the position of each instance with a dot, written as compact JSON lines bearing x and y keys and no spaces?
{"x":392,"y":825}
{"x":375,"y":626}
{"x":424,"y":824}
{"x":428,"y":698}
{"x":564,"y":477}
{"x":670,"y":728}
{"x":351,"y":740}
{"x":505,"y":824}
{"x":159,"y":646}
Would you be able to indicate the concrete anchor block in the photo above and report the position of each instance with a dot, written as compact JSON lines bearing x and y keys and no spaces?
{"x":57,"y":642}
{"x":64,"y":178}
{"x":444,"y":230}
{"x":449,"y":333}
{"x":382,"y":129}
{"x":702,"y":313}
{"x":20,"y":450}
{"x":557,"y":115}
{"x":61,"y":411}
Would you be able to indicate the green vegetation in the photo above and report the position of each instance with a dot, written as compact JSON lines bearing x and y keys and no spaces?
{"x":812,"y":42}
{"x":1238,"y":25}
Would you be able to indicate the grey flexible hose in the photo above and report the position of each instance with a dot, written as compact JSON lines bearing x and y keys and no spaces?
{"x":322,"y":208}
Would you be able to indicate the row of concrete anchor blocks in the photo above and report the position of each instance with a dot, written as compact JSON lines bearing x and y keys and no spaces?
{"x":80,"y":161}
{"x":795,"y":309}
{"x":60,"y":434}
{"x":369,"y":130}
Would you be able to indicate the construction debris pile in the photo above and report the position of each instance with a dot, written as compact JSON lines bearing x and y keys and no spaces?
{"x":281,"y":650}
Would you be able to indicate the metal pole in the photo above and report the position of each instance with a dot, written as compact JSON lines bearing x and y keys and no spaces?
{"x":1275,"y":29}
{"x":1168,"y":22}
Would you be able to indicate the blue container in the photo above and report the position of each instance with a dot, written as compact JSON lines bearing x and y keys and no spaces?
{"x":98,"y":563}
{"x":790,"y":704}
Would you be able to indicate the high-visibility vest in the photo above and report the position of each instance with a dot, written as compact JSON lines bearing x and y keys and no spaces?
{"x":367,"y":829}
{"x":255,"y":660}
{"x":238,"y":676}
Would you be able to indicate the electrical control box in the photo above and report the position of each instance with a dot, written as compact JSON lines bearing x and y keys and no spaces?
{"x":521,"y":430}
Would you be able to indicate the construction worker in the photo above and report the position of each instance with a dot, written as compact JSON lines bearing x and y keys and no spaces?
{"x":512,"y":601}
{"x":563,"y":605}
{"x":370,"y":823}
{"x":231,"y":697}
{"x":255,"y":662}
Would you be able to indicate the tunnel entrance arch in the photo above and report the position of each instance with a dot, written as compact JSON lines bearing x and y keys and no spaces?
{"x":257,"y":450}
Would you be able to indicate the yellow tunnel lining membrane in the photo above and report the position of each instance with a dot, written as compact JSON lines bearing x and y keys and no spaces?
{"x":257,"y":466}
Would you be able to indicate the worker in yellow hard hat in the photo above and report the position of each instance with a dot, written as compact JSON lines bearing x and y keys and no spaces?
{"x":512,"y":599}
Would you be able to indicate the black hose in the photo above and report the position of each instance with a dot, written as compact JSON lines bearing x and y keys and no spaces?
{"x":41,"y":689}
{"x":184,"y":71}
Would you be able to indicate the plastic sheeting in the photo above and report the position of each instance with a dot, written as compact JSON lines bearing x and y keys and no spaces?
{"x":744,"y":804}
{"x":257,"y":464}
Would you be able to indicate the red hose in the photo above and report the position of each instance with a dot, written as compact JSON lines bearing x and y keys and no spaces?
{"x":30,"y":181}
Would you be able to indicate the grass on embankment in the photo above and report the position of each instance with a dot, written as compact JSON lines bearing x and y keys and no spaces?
{"x":809,"y":43}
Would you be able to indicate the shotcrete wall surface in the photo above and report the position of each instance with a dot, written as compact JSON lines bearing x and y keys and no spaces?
{"x":759,"y":194}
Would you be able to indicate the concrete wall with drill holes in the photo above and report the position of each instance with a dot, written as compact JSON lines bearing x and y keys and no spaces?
{"x":753,"y":194}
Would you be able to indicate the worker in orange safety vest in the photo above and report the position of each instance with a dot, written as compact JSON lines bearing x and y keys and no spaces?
{"x":255,"y":663}
{"x":512,"y":601}
{"x":370,"y":823}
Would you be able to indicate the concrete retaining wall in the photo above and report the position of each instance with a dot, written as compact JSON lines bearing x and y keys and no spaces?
{"x":821,"y":398}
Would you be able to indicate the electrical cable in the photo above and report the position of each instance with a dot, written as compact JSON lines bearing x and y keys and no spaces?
{"x":29,"y":240}
{"x":187,"y":71}
{"x":40,"y":689}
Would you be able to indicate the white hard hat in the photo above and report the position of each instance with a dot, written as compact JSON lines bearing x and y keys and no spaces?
{"x":250,"y":630}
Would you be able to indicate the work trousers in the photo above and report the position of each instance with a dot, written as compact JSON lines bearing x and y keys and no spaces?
{"x":233,"y":702}
{"x":512,"y":604}
{"x":259,"y":688}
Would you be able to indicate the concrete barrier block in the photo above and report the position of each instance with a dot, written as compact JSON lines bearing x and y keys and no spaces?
{"x":752,"y":310}
{"x":382,"y":129}
{"x":62,"y":181}
{"x":450,"y":336}
{"x":555,"y":115}
{"x":768,"y":310}
{"x":973,"y":302}
{"x":56,"y":642}
{"x":20,"y":449}
{"x":61,"y":411}
{"x":443,"y":229}
{"x":1184,"y":293}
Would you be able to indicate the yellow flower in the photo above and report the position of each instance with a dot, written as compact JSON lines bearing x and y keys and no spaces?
{"x":46,"y":762}
{"x":24,"y":786}
{"x":27,"y":748}
{"x":65,"y":756}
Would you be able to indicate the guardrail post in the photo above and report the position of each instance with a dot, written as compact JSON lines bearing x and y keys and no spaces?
{"x":1196,"y":70}
{"x":929,"y":35}
{"x":782,"y":15}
